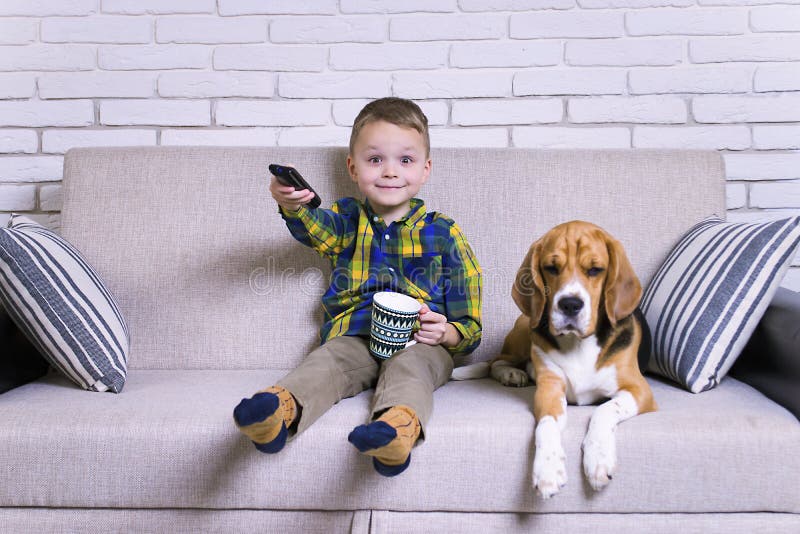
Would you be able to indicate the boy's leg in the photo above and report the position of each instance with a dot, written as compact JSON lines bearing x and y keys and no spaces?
{"x":340,"y":368}
{"x":410,"y":377}
{"x":402,"y":404}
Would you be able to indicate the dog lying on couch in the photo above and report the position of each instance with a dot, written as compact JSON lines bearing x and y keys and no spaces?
{"x":579,"y":339}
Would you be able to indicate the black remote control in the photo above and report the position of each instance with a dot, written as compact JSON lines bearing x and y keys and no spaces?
{"x":290,"y":176}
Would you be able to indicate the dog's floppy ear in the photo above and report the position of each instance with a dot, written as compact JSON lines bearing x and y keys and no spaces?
{"x":623,"y":289}
{"x":528,"y":291}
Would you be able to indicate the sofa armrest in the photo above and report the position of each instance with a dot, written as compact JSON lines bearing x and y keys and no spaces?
{"x":770,"y":361}
{"x":20,"y":362}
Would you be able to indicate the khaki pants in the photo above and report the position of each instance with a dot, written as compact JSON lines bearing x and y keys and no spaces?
{"x":343,"y":367}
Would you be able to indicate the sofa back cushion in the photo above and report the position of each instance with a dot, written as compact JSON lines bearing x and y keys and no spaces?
{"x":190,"y":242}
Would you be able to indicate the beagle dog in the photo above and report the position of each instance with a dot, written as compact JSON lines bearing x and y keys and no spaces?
{"x":579,"y":339}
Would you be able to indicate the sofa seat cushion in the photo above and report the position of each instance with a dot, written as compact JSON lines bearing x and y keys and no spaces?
{"x":169,"y":441}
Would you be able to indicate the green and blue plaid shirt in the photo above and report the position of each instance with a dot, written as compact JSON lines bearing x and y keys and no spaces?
{"x":424,"y":255}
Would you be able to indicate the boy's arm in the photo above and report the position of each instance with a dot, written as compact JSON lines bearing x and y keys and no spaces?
{"x":326,"y":231}
{"x":462,"y":292}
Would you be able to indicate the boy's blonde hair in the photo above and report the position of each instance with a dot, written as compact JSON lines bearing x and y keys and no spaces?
{"x":397,"y":111}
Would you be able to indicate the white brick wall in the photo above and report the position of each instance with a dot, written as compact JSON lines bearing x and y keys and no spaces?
{"x":68,"y":85}
{"x":98,"y":29}
{"x":216,"y":84}
{"x":636,"y":109}
{"x":157,"y":113}
{"x":711,"y":74}
{"x":58,"y":141}
{"x":686,"y":22}
{"x":211,"y":30}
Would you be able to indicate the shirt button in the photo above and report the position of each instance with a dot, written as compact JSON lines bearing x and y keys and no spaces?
{"x":391,"y":269}
{"x":376,"y":218}
{"x":386,"y":236}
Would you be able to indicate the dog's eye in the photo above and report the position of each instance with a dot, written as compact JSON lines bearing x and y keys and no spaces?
{"x":594,"y":271}
{"x":552,"y":269}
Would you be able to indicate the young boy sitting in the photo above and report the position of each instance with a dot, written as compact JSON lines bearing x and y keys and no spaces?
{"x":388,"y":242}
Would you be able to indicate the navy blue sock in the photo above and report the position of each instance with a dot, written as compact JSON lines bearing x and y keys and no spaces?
{"x":374,"y":436}
{"x":390,"y":470}
{"x":255,"y":410}
{"x":271,"y":447}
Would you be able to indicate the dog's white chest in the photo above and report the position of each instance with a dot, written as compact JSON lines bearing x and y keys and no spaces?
{"x":576,"y":365}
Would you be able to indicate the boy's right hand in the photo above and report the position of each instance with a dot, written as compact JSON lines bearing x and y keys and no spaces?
{"x":287,"y":197}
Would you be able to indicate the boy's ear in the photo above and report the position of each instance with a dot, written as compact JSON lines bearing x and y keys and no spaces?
{"x":428,"y":166}
{"x":351,"y":168}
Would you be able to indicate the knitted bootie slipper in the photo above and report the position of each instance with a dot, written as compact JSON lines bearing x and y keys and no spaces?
{"x":388,"y":440}
{"x":266,"y":417}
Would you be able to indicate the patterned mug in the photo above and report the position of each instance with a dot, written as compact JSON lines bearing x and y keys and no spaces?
{"x":393,"y":319}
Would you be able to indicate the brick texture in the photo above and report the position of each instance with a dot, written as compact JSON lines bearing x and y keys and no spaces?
{"x":624,"y":74}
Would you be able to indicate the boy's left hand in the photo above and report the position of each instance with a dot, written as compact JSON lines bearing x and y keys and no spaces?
{"x":434,"y":329}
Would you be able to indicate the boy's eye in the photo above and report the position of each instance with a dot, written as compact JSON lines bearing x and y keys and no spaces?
{"x":375,"y":159}
{"x":406,"y":160}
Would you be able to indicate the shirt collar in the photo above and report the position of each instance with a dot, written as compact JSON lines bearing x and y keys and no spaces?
{"x":414,"y":215}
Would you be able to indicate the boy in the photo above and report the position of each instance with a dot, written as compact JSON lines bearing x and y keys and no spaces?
{"x":388,"y":242}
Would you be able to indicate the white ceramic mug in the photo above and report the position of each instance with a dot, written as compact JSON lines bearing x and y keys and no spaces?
{"x":393,"y":318}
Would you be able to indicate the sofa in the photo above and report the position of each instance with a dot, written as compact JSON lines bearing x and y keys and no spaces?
{"x":220,"y":301}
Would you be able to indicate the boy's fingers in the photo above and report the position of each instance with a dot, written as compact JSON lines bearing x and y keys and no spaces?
{"x":428,"y":340}
{"x":431,"y":328}
{"x":296,"y":195}
{"x":280,"y":188}
{"x":432,"y":317}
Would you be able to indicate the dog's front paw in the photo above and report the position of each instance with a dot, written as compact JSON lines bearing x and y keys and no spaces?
{"x":510,"y":376}
{"x":549,"y":470}
{"x":599,"y":459}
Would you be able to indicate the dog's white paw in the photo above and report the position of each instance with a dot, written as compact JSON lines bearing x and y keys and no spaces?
{"x":510,"y":376}
{"x":599,"y":459}
{"x":549,"y":470}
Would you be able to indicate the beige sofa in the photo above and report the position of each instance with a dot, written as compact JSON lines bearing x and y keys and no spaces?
{"x":221,"y":301}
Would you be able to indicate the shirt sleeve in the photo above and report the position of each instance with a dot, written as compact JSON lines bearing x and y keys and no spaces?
{"x":462,"y":292}
{"x":327,"y":231}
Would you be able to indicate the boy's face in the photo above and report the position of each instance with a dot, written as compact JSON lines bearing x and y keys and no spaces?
{"x":389,"y":165}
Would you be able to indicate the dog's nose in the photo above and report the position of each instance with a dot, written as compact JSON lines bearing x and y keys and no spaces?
{"x":571,"y":306}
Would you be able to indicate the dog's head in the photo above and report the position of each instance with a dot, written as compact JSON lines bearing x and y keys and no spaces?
{"x":576,"y":274}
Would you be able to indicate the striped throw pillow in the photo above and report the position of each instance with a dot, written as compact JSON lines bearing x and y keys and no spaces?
{"x":60,"y":303}
{"x":709,"y":295}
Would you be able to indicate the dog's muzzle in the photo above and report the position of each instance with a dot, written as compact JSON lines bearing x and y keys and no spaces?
{"x":570,"y":314}
{"x":570,"y":306}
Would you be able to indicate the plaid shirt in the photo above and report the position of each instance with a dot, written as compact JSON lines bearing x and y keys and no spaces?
{"x":423,"y":255}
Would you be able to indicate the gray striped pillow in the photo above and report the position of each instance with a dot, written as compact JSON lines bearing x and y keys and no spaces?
{"x":709,"y":295}
{"x":60,"y":303}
